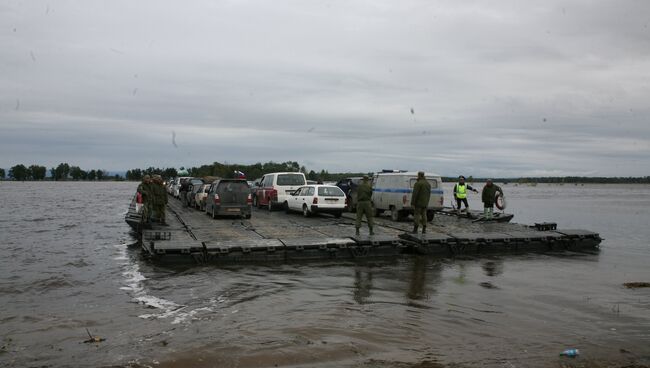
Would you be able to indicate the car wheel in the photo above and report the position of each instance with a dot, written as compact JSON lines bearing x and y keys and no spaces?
{"x":214,"y":214}
{"x":430,"y":215}
{"x":255,"y":204}
{"x":394,"y":214}
{"x":305,"y":210}
{"x":248,"y":216}
{"x":270,"y":205}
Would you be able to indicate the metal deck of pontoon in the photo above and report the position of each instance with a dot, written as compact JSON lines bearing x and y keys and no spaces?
{"x":278,"y":236}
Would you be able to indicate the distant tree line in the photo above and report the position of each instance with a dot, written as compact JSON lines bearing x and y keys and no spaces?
{"x":562,"y":180}
{"x":63,"y":171}
{"x":137,"y":174}
{"x":252,"y":172}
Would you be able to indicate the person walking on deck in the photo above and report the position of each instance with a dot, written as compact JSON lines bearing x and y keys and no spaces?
{"x":460,"y":193}
{"x":488,"y":196}
{"x":160,"y":199}
{"x":420,"y":201}
{"x":146,"y":192}
{"x":364,"y":205}
{"x":182,"y":193}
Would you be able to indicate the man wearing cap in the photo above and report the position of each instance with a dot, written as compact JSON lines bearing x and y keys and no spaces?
{"x":488,"y":196}
{"x":364,"y":206}
{"x":146,"y":192}
{"x":460,"y":193}
{"x":420,"y":201}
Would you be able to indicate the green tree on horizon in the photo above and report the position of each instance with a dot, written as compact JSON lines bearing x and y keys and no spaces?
{"x":19,"y":172}
{"x":37,"y":172}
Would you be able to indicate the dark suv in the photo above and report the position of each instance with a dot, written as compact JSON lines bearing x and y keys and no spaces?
{"x":229,"y":197}
{"x":349,"y":187}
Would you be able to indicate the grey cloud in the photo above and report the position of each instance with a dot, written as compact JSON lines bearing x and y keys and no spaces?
{"x":499,"y":88}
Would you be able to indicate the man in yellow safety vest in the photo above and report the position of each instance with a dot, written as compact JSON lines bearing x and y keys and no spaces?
{"x":460,"y":193}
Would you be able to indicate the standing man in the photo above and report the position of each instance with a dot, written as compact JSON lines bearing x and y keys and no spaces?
{"x":420,"y":201}
{"x":182,"y":193}
{"x":161,"y":199}
{"x":489,"y":194}
{"x":460,"y":193}
{"x":145,"y":191}
{"x":364,"y":206}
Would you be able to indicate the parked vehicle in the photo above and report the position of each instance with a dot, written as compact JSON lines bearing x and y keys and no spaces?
{"x":229,"y":197}
{"x":276,"y":188}
{"x":195,"y":186}
{"x":169,"y":186}
{"x":312,"y":199}
{"x":254,"y":185}
{"x":349,"y":187}
{"x":199,"y":197}
{"x":392,"y":192}
{"x":177,"y":186}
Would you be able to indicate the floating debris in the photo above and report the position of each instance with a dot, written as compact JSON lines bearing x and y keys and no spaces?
{"x":93,"y":339}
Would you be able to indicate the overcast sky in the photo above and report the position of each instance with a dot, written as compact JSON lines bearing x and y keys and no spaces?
{"x":482,"y":88}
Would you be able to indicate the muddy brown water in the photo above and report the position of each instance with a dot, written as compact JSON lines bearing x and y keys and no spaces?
{"x":65,"y":265}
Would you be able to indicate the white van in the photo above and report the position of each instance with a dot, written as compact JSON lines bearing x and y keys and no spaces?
{"x":391,"y":191}
{"x":275,"y":188}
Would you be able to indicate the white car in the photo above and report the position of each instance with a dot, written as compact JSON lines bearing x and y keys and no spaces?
{"x":201,"y":195}
{"x":312,"y":199}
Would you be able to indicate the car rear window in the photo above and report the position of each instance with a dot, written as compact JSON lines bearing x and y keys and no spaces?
{"x":330,"y":192}
{"x":291,"y":179}
{"x":433,"y":182}
{"x":233,"y":186}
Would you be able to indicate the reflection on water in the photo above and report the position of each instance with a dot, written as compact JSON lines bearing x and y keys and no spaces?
{"x":492,"y":268}
{"x":362,"y":286}
{"x":65,"y":267}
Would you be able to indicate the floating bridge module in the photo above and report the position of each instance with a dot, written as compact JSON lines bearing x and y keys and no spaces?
{"x":191,"y":235}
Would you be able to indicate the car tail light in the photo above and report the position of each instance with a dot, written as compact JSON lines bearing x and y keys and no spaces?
{"x":249,"y":200}
{"x":217,"y":200}
{"x":404,"y":199}
{"x":315,"y":201}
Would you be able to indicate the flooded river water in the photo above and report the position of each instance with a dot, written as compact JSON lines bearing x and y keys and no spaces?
{"x":66,"y":266}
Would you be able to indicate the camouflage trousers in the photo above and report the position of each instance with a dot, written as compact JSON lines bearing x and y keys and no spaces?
{"x":160,"y":212}
{"x":488,"y":212}
{"x":420,"y":217}
{"x":364,"y":208}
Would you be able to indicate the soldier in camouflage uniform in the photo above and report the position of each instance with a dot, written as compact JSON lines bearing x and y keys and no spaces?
{"x":420,"y":201}
{"x":146,"y":191}
{"x":364,"y":206}
{"x":160,"y":199}
{"x":488,"y":196}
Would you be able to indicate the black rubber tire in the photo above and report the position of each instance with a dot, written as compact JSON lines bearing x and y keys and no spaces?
{"x":255,"y":204}
{"x":430,"y":215}
{"x":395,"y":215}
{"x":305,"y":210}
{"x":214,"y":215}
{"x":270,"y":206}
{"x":248,"y":216}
